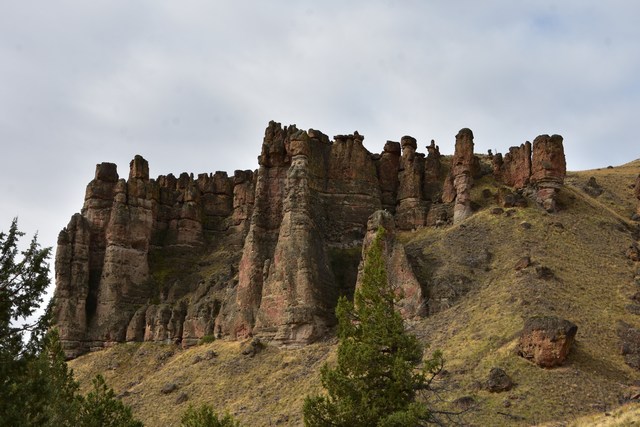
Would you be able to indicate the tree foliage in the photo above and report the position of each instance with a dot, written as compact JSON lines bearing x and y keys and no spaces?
{"x":24,"y":277}
{"x":205,"y":416}
{"x":380,"y":367}
{"x":100,"y":408}
{"x":36,"y":386}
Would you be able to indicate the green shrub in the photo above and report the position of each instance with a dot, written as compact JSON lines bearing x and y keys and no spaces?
{"x":205,"y":416}
{"x":207,"y":339}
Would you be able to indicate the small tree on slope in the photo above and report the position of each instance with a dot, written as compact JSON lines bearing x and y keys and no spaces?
{"x":377,"y":377}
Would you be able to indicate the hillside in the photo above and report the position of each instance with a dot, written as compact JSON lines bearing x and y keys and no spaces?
{"x":578,"y":270}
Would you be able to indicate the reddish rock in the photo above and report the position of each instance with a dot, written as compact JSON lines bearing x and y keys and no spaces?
{"x":72,"y":273}
{"x":293,"y":310}
{"x":457,"y":188}
{"x":433,"y":173}
{"x":411,"y":211}
{"x":260,"y":243}
{"x":388,"y":167}
{"x":547,"y":340}
{"x":548,"y":169}
{"x":176,"y":259}
{"x":637,"y":193}
{"x":514,"y":169}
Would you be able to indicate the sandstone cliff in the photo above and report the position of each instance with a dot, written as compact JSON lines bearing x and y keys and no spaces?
{"x":268,"y":252}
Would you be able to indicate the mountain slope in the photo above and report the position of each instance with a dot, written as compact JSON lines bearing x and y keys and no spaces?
{"x":578,"y":270}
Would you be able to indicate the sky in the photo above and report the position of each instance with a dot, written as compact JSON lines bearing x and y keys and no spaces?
{"x":191,"y":85}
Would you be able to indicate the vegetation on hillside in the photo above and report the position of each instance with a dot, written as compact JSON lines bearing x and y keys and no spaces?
{"x":374,"y":381}
{"x":476,"y":325}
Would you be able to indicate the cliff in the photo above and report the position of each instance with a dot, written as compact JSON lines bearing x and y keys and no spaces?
{"x":267,"y":253}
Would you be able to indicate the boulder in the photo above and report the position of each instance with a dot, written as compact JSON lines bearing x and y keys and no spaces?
{"x":629,"y":344}
{"x":546,"y":341}
{"x":498,"y":381}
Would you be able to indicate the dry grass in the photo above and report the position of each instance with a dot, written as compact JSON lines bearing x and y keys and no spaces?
{"x":266,"y":389}
{"x":583,"y":245}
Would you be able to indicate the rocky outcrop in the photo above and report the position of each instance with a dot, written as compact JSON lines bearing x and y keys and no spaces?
{"x":433,"y":173}
{"x":460,"y":180}
{"x":548,"y":169}
{"x":411,"y":211}
{"x":636,"y":191}
{"x":543,"y":167}
{"x":514,"y":169}
{"x":388,"y":167}
{"x":547,"y":340}
{"x":114,"y":275}
{"x":399,"y":272}
{"x":629,"y":344}
{"x":261,"y":253}
{"x":299,"y":292}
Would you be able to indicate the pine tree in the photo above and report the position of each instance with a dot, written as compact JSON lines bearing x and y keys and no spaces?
{"x":377,"y":375}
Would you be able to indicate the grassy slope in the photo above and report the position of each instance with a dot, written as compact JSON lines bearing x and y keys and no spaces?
{"x":267,"y":389}
{"x":583,"y":245}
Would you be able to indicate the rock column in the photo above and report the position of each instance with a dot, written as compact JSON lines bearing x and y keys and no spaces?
{"x":548,"y":169}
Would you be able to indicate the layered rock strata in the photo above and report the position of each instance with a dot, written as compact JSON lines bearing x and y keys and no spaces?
{"x":261,"y":253}
{"x":460,"y":180}
{"x":105,"y":289}
{"x":541,"y":165}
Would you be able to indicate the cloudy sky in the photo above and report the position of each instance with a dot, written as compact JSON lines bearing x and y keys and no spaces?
{"x":191,"y":85}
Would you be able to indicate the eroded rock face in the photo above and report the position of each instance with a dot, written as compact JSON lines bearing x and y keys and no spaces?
{"x":412,"y":211}
{"x":263,"y":252}
{"x":514,"y":169}
{"x":458,"y":185}
{"x":629,"y":344}
{"x":399,"y":272}
{"x":299,"y":291}
{"x":105,"y":285}
{"x":548,"y":169}
{"x":547,"y":340}
{"x":541,"y":165}
{"x":433,"y":173}
{"x":388,"y":168}
{"x":637,"y":194}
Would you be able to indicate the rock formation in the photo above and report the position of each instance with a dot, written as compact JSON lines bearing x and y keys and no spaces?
{"x":629,"y":344}
{"x":637,"y":194}
{"x":515,"y":169}
{"x":548,"y":169}
{"x":460,"y":180}
{"x":547,"y":340}
{"x":114,"y":281}
{"x":543,"y":167}
{"x":261,"y":253}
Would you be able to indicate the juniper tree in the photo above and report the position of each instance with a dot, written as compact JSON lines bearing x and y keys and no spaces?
{"x":380,"y":367}
{"x":36,"y":386}
{"x":24,"y":277}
